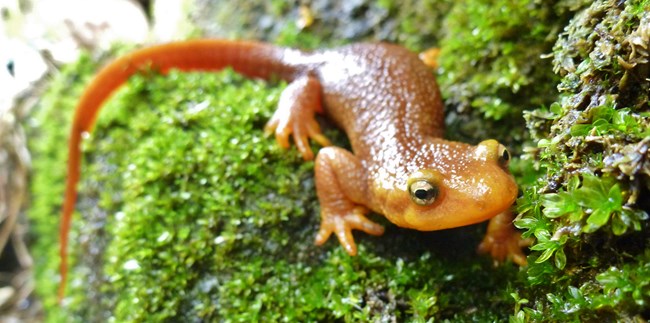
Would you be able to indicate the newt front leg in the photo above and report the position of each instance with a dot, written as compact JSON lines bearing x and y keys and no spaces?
{"x":342,"y":190}
{"x":502,"y":241}
{"x":340,"y":184}
{"x":295,"y":115}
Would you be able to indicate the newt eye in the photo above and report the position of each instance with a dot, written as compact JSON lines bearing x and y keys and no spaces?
{"x":504,"y":156}
{"x":423,"y":192}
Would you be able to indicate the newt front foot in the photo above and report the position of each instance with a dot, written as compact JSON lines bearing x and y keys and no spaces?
{"x":295,"y":115}
{"x":342,"y":226}
{"x":502,"y":241}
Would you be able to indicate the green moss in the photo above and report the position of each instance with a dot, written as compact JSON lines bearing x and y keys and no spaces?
{"x":190,"y":176}
{"x":587,"y":212}
{"x":207,"y":218}
{"x":614,"y":295}
{"x":46,"y":134}
{"x":502,"y":43}
{"x":494,"y":64}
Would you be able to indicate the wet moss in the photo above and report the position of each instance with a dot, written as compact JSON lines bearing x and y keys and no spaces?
{"x":494,"y":65}
{"x":587,"y":212}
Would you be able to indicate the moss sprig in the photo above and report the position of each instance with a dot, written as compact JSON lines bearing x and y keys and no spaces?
{"x":587,"y":213}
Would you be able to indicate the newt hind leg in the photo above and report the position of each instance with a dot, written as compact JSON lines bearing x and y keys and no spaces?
{"x":341,"y":188}
{"x":295,"y":115}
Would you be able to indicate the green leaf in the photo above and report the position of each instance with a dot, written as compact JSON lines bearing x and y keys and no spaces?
{"x":590,"y":197}
{"x":545,"y":255}
{"x":615,"y":199}
{"x":559,"y":204}
{"x":573,"y":183}
{"x":580,"y":130}
{"x":553,"y":204}
{"x":596,"y":220}
{"x":618,"y":225}
{"x":556,"y":108}
{"x":520,"y":317}
{"x":560,"y":258}
{"x":610,"y":279}
{"x":525,"y":223}
{"x":542,"y":235}
{"x":575,"y":292}
{"x":544,"y":245}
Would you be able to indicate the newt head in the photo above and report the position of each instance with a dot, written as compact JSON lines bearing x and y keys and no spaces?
{"x":453,"y":185}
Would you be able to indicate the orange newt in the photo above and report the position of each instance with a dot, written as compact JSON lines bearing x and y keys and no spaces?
{"x":387,"y":102}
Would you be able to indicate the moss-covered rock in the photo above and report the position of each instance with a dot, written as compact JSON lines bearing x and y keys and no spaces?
{"x":207,"y":218}
{"x":47,"y":136}
{"x":494,"y":65}
{"x":188,"y":213}
{"x":588,"y":212}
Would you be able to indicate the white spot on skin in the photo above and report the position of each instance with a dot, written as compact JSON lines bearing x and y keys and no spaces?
{"x":477,"y":189}
{"x":481,"y":153}
{"x":481,"y":188}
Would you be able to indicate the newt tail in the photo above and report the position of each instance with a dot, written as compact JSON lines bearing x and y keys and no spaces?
{"x":253,"y":59}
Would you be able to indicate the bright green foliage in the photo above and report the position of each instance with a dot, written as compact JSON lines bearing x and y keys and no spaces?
{"x":629,"y":286}
{"x":615,"y":294}
{"x":178,"y":197}
{"x":587,"y":213}
{"x":490,"y":57}
{"x":598,"y":200}
{"x":585,"y":206}
{"x":608,"y":120}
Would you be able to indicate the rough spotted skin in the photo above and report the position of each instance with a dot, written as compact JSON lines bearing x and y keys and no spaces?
{"x":387,"y":102}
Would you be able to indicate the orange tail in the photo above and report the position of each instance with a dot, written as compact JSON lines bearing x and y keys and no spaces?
{"x":255,"y":60}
